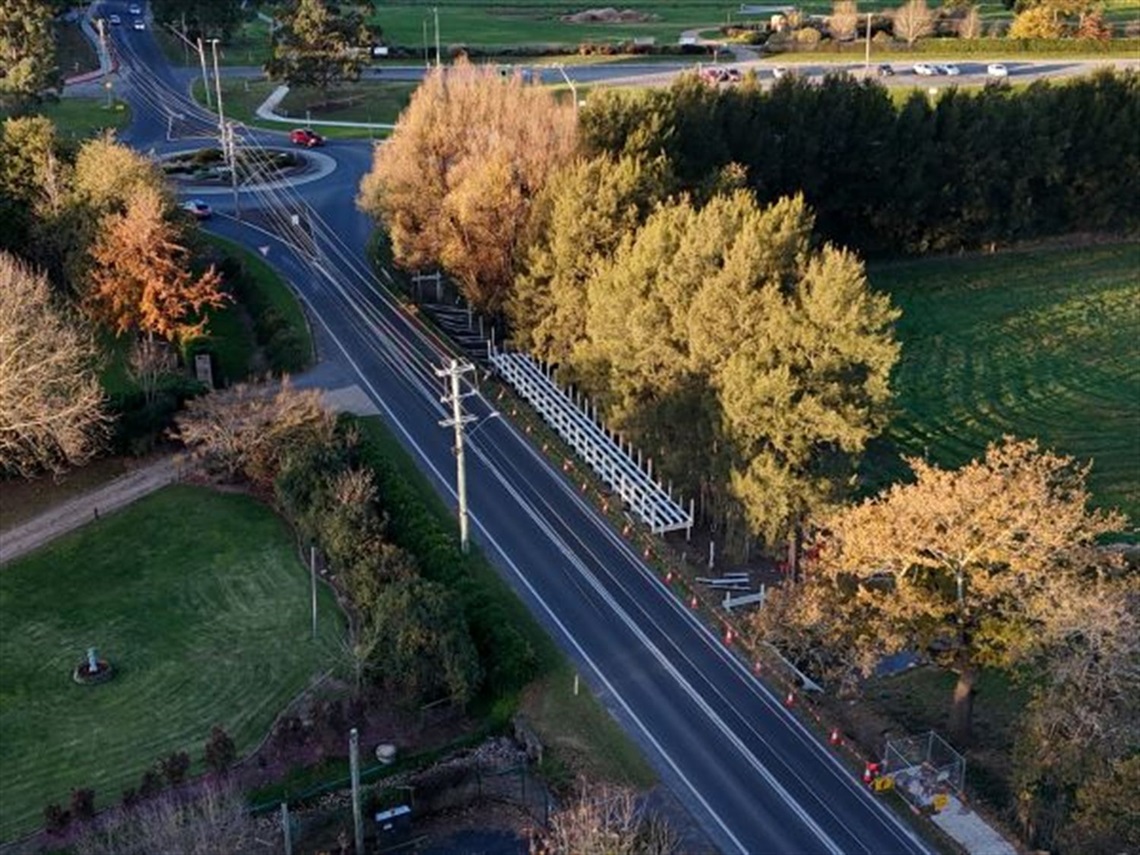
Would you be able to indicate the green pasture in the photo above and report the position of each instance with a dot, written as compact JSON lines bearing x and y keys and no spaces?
{"x":200,"y":602}
{"x":1038,"y":343}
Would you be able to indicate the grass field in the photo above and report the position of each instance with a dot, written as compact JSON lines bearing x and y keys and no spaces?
{"x":1036,"y":344}
{"x":197,"y":598}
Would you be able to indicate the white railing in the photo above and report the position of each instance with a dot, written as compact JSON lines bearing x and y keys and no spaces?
{"x":612,"y":463}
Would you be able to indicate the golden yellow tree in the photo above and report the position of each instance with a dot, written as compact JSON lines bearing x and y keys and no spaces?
{"x":455,"y":183}
{"x":140,"y":278}
{"x":970,"y":564}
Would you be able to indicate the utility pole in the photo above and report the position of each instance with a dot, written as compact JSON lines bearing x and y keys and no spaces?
{"x":313,"y":583}
{"x":427,"y":56}
{"x":354,"y":774}
{"x":229,"y":150}
{"x":458,"y":420}
{"x":435,"y":12}
{"x":867,"y":58}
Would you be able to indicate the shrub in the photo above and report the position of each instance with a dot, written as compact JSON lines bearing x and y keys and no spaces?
{"x":808,"y":37}
{"x":56,"y":818}
{"x":83,"y":803}
{"x":220,"y":751}
{"x":175,"y":767}
{"x":131,"y":798}
{"x":150,"y":785}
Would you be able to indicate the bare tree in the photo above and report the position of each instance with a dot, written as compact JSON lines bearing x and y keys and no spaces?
{"x":215,"y":822}
{"x":605,"y":821}
{"x":150,"y":361}
{"x":51,"y":403}
{"x":913,"y":21}
{"x":844,"y":20}
{"x":970,"y":27}
{"x":248,"y":429}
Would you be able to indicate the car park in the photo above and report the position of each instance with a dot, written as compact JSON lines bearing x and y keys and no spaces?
{"x":306,"y":137}
{"x":197,"y":208}
{"x":996,"y":69}
{"x":923,"y":69}
{"x":139,"y":24}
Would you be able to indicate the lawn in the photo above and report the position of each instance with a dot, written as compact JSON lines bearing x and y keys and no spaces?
{"x":243,"y":97}
{"x":1036,"y":344}
{"x":79,"y":118}
{"x":199,"y":601}
{"x":369,"y":102}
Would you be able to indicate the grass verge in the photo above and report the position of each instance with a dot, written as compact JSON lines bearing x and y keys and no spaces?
{"x":201,"y":604}
{"x":1037,"y":343}
{"x":78,"y":119}
{"x":264,"y":293}
{"x":582,"y":737}
{"x":242,"y":97}
{"x":73,"y":53}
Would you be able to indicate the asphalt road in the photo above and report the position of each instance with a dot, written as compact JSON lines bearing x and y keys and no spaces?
{"x":752,"y":776}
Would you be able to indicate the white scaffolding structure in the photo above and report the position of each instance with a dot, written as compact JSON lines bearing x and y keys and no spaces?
{"x":615,"y":465}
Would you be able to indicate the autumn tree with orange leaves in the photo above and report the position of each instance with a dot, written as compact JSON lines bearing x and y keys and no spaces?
{"x":140,"y":277}
{"x":455,"y":183}
{"x":971,"y":565}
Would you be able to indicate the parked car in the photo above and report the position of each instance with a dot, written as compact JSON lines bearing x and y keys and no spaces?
{"x":306,"y":137}
{"x":115,"y":20}
{"x":886,"y":70}
{"x":139,"y":24}
{"x":199,"y":209}
{"x":924,"y":69}
{"x":951,"y":70}
{"x":996,"y":69}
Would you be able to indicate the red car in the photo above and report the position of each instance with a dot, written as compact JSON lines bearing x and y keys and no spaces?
{"x":306,"y":137}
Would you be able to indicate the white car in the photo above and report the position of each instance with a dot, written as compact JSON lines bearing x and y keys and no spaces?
{"x":115,"y":20}
{"x":951,"y":70}
{"x":779,"y":71}
{"x":135,"y":9}
{"x":139,"y":24}
{"x":923,"y":69}
{"x":996,"y":69}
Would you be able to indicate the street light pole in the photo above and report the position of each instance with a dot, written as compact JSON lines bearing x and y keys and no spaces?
{"x":435,"y":12}
{"x":573,"y":88}
{"x":201,"y":56}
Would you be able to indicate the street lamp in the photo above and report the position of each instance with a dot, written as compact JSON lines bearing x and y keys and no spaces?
{"x":573,"y":89}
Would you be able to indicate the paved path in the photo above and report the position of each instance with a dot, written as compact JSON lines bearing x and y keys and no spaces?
{"x":87,"y":507}
{"x":132,"y":486}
